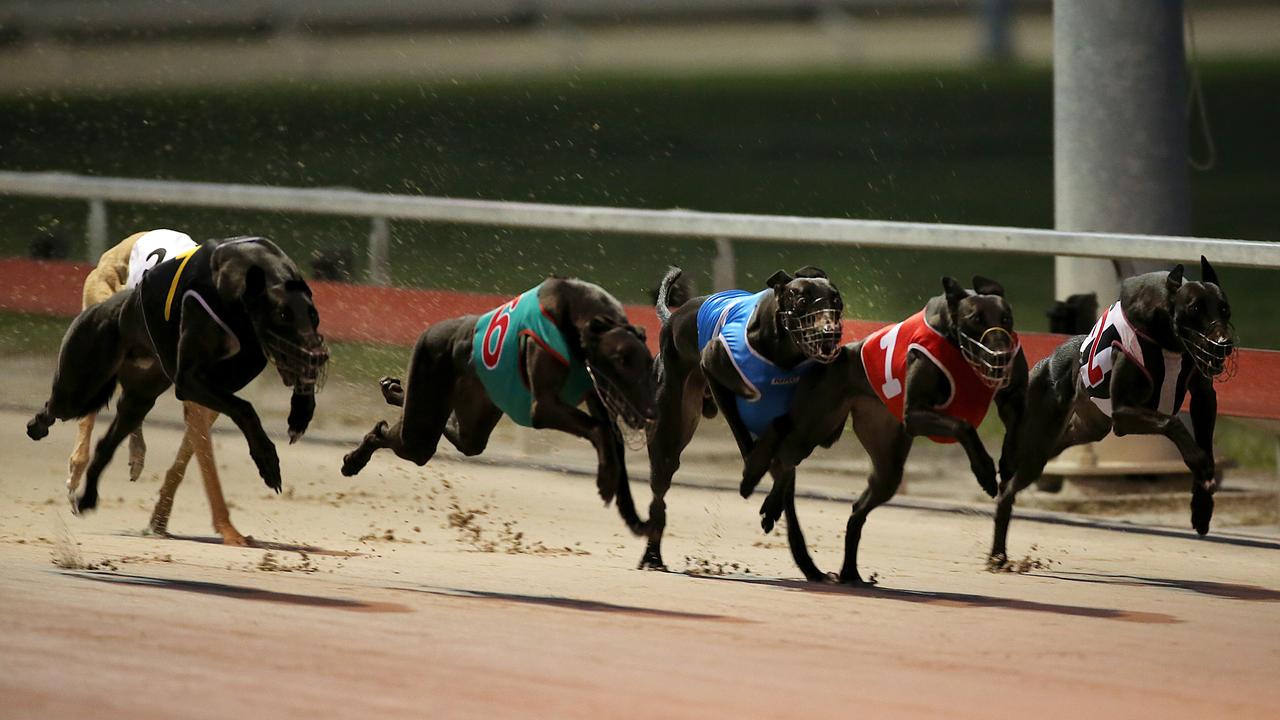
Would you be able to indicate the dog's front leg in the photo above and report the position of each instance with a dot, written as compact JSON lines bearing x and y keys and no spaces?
{"x":1204,"y":415}
{"x":1011,"y":402}
{"x":926,"y":388}
{"x":547,"y":377}
{"x":935,"y":424}
{"x":302,"y":407}
{"x":199,"y":339}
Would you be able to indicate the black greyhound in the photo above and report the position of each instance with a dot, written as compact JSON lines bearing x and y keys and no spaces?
{"x":744,"y":351}
{"x":534,"y":359}
{"x":1165,"y":338}
{"x":934,"y":374}
{"x":206,"y":322}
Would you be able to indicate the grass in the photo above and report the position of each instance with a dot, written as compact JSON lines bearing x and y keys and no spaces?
{"x":966,"y":146}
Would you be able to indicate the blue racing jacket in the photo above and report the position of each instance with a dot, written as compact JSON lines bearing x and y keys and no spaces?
{"x":723,"y":318}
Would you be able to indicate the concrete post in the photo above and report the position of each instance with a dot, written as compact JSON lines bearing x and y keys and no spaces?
{"x":1120,"y":164}
{"x":1120,"y":129}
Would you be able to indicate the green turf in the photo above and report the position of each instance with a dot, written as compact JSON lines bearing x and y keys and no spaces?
{"x":970,"y":146}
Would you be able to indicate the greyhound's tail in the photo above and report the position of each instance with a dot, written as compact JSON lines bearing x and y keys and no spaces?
{"x":795,"y":538}
{"x":627,"y":507}
{"x":664,"y":290}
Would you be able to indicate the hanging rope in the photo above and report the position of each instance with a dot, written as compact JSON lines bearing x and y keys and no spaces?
{"x":1196,"y":108}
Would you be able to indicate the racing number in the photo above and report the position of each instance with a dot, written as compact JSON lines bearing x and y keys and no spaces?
{"x":496,"y":333}
{"x":1095,"y":374}
{"x":158,"y":254}
{"x":892,"y":386}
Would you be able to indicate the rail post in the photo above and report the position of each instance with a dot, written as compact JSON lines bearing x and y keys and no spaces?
{"x":379,"y":252}
{"x":723,"y":267}
{"x":96,"y":229}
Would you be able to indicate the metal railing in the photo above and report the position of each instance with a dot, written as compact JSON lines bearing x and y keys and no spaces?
{"x":723,"y":228}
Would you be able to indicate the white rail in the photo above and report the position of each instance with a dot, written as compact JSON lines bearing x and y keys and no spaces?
{"x":723,"y":227}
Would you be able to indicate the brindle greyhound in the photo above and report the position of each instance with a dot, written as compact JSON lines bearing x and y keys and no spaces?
{"x":1166,"y":336}
{"x":794,"y":325}
{"x":111,"y":275}
{"x":206,"y":322}
{"x":941,"y":392}
{"x":546,"y":350}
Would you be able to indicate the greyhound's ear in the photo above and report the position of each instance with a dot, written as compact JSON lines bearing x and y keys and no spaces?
{"x":954,"y":290}
{"x":640,"y":333}
{"x":599,"y":325}
{"x":1174,"y":281}
{"x":778,"y":280}
{"x":1207,"y":273}
{"x":987,"y":286}
{"x":812,"y":271}
{"x":238,"y":280}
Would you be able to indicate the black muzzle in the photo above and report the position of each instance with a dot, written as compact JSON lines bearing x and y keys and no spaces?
{"x":816,"y":333}
{"x":302,"y":366}
{"x":993,"y":367}
{"x":632,"y":424}
{"x":1215,"y":359}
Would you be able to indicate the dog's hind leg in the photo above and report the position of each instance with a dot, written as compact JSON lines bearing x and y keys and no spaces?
{"x":680,"y":405}
{"x":784,"y":484}
{"x":474,"y":416}
{"x":134,"y":405}
{"x":888,"y":444}
{"x":88,"y":363}
{"x":159,"y":523}
{"x":137,"y":454}
{"x":199,"y":426}
{"x":392,"y":391}
{"x":428,"y":403}
{"x":80,"y":453}
{"x":1048,"y":428}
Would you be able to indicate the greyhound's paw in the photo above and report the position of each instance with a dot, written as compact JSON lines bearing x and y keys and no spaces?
{"x":233,"y":538}
{"x":392,"y":390}
{"x":985,"y":472}
{"x":1201,"y":511}
{"x":83,"y":504}
{"x":652,"y":560}
{"x":268,"y":463}
{"x":997,"y":562}
{"x":748,"y":485}
{"x":854,"y":579}
{"x":37,"y":428}
{"x":824,"y":578}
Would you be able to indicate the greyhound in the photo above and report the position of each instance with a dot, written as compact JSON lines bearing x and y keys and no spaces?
{"x":121,"y":267}
{"x":1165,"y":337}
{"x":744,"y":351}
{"x":535,"y":359}
{"x":206,"y":322}
{"x":934,"y":374}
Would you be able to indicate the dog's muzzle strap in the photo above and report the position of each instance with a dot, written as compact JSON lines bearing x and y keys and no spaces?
{"x":817,"y":333}
{"x":306,"y":365}
{"x":631,"y":424}
{"x":993,"y":367}
{"x":1215,"y":359}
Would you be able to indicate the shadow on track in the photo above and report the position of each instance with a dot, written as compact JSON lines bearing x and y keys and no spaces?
{"x":254,"y":544}
{"x":567,"y":603}
{"x":953,"y":599}
{"x":239,"y":592}
{"x":1230,"y":591}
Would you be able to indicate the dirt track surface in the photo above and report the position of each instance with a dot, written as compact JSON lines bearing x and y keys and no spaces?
{"x":462,"y":590}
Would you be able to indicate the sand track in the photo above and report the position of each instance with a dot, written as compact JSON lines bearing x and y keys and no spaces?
{"x":462,"y":590}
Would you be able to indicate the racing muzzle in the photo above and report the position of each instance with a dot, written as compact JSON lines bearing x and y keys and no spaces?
{"x":993,"y":367}
{"x":1214,"y":357}
{"x":816,"y":333}
{"x":632,"y":424}
{"x":302,"y":366}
